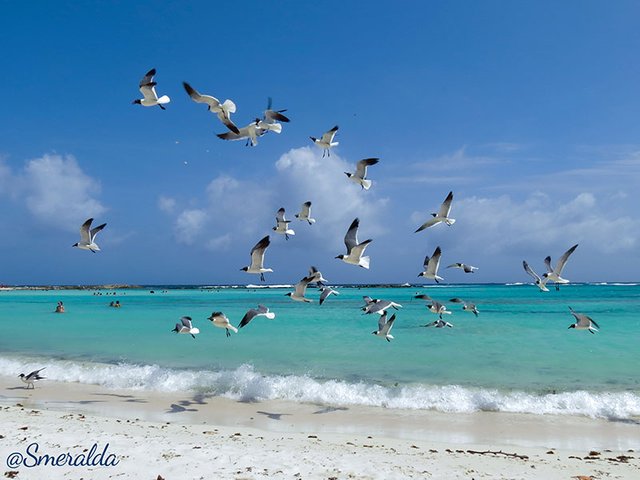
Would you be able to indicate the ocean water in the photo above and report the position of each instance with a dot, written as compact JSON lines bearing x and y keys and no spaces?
{"x":517,"y":356}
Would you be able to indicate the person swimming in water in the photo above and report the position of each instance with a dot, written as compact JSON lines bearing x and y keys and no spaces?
{"x":60,"y":308}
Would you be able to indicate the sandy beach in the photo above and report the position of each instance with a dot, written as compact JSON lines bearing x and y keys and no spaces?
{"x":144,"y":434}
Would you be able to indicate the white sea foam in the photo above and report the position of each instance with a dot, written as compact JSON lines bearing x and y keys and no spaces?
{"x":246,"y":384}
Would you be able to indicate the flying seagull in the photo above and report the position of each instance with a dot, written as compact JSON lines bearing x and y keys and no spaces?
{"x":441,"y":216}
{"x":271,"y":118}
{"x":223,"y":110}
{"x":257,"y":258}
{"x":185,"y":326}
{"x":220,"y":320}
{"x":379,"y":306}
{"x":305,"y":213}
{"x":299,"y":291}
{"x":88,"y":236}
{"x":316,"y":276}
{"x":583,"y":322}
{"x":385,"y":326}
{"x":32,"y":377}
{"x":435,"y":306}
{"x":464,"y":267}
{"x":439,"y":324}
{"x":466,"y":306}
{"x":261,"y":311}
{"x":282,"y":225}
{"x":251,"y":132}
{"x":325,"y":292}
{"x":355,"y":249}
{"x":148,"y":90}
{"x":553,"y":274}
{"x":326,"y":142}
{"x":431,"y":265}
{"x":540,"y":283}
{"x":360,"y":174}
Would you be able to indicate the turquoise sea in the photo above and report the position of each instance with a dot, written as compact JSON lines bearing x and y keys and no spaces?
{"x":517,"y":356}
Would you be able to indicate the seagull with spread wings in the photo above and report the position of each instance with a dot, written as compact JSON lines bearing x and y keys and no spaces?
{"x":222,"y":110}
{"x":355,"y":249}
{"x":441,"y":216}
{"x":148,"y":90}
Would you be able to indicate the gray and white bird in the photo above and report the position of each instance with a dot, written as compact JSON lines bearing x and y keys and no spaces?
{"x":222,"y":110}
{"x":384,"y":327}
{"x":186,"y":326}
{"x":379,"y":306}
{"x":540,"y":283}
{"x":553,"y":274}
{"x":88,"y":236}
{"x":257,"y":258}
{"x":435,"y":306}
{"x":261,"y":311}
{"x":300,"y":289}
{"x":431,"y":265}
{"x":360,"y":174}
{"x":148,"y":90}
{"x":439,"y":324}
{"x":305,"y":213}
{"x":355,"y":249}
{"x":271,"y":118}
{"x":316,"y":276}
{"x":282,"y":225}
{"x":220,"y":320}
{"x":251,"y":132}
{"x":325,"y":292}
{"x":583,"y":322}
{"x":326,"y":141}
{"x":466,"y":306}
{"x":464,"y":267}
{"x":441,"y":216}
{"x":32,"y":377}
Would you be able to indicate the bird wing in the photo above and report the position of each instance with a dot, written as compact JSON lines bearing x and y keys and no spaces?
{"x":85,"y":236}
{"x":351,"y":238}
{"x":34,"y":374}
{"x":530,"y":271}
{"x":250,"y":315}
{"x":328,"y":136}
{"x":456,"y":300}
{"x":388,"y":325}
{"x":445,"y":208}
{"x":382,"y":321}
{"x":186,"y":321}
{"x":423,"y":297}
{"x":455,"y":265}
{"x":301,"y":286}
{"x":306,"y":209}
{"x":361,"y":167}
{"x":434,"y":262}
{"x":563,"y":259}
{"x":429,"y":223}
{"x":547,"y":262}
{"x":280,"y":216}
{"x":213,"y":102}
{"x":147,"y":85}
{"x":359,"y":249}
{"x":257,"y":252}
{"x":94,"y":231}
{"x":326,"y":291}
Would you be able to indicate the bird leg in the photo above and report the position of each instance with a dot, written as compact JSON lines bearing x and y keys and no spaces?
{"x":161,"y":106}
{"x":262,"y":277}
{"x":228,"y":334}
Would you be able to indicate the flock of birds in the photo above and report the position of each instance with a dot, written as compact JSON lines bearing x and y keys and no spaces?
{"x":271,"y":121}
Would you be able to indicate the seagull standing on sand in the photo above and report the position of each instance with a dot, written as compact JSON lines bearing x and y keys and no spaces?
{"x":261,"y":311}
{"x":540,"y":283}
{"x":464,"y":267}
{"x":441,"y":216}
{"x":384,"y":327}
{"x":299,"y":290}
{"x":257,"y":258}
{"x":326,"y":142}
{"x":583,"y":322}
{"x":325,"y":292}
{"x":31,"y":378}
{"x":431,"y":265}
{"x":270,"y":119}
{"x":282,"y":225}
{"x":185,"y":326}
{"x":553,"y":274}
{"x":360,"y":174}
{"x":148,"y":90}
{"x":305,"y":213}
{"x":223,"y":110}
{"x":88,"y":236}
{"x":251,"y":132}
{"x":355,"y":249}
{"x":220,"y":320}
{"x":466,"y":306}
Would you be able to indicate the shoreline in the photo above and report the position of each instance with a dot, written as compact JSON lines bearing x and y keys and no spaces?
{"x":174,"y":434}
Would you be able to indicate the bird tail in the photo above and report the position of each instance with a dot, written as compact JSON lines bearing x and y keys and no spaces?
{"x":366,"y":184}
{"x":451,"y":221}
{"x":164,"y":99}
{"x":311,"y":221}
{"x":273,"y":127}
{"x":234,"y":329}
{"x":229,"y":106}
{"x":364,"y":262}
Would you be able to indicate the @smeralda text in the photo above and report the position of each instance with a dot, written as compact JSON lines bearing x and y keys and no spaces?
{"x":33,"y":456}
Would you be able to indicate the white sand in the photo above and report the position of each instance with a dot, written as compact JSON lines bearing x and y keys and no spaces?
{"x":211,"y":438}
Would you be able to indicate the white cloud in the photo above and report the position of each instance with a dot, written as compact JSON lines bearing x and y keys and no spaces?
{"x":166,"y":204}
{"x":189,"y":225}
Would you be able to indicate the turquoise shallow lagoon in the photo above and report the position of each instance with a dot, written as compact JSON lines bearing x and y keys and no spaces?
{"x":517,"y":356}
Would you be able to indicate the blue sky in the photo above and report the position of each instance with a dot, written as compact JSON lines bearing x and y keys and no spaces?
{"x":528,"y":111}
